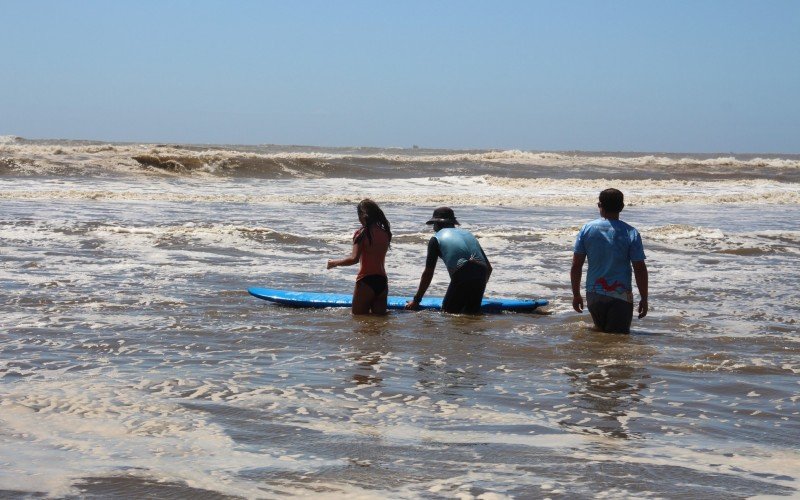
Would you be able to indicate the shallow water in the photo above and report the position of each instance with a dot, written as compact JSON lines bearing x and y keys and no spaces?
{"x":133,"y":363}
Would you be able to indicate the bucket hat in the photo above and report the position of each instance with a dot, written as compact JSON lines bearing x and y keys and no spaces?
{"x":444,"y":215}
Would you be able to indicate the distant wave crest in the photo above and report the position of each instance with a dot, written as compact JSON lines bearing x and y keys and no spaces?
{"x":46,"y":158}
{"x":8,"y":139}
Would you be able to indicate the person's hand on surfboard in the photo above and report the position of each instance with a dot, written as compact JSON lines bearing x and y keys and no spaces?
{"x":412,"y":305}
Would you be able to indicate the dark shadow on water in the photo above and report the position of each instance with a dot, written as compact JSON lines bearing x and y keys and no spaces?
{"x":644,"y":333}
{"x":536,"y":312}
{"x":608,"y":373}
{"x":372,"y":341}
{"x":137,"y":487}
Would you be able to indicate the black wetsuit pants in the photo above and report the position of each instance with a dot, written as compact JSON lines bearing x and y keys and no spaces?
{"x":465,"y":293}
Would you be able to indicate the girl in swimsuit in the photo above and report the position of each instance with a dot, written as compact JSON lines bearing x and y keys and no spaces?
{"x":370,"y":244}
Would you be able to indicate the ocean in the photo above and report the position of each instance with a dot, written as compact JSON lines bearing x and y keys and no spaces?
{"x":134,"y":364}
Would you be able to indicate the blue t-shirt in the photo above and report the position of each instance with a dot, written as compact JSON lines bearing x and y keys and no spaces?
{"x":611,"y":246}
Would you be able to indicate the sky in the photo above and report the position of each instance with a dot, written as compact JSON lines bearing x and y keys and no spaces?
{"x":639,"y":75}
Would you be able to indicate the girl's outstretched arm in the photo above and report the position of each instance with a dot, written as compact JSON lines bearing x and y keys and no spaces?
{"x":354,"y":257}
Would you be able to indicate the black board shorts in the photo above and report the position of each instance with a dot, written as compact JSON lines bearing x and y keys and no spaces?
{"x":378,"y":282}
{"x":465,"y":293}
{"x":610,"y":314}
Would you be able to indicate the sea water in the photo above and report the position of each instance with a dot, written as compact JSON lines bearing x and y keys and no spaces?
{"x":134,"y":363}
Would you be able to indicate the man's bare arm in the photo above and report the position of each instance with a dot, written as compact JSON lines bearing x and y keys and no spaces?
{"x":575,"y":277}
{"x":640,"y":273}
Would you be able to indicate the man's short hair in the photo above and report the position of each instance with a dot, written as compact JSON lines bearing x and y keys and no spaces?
{"x":612,"y":200}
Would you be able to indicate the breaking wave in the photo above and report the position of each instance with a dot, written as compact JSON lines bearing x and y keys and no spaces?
{"x":23,"y":157}
{"x":8,"y":139}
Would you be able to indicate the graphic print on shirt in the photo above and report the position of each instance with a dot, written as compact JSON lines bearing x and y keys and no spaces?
{"x":614,"y":287}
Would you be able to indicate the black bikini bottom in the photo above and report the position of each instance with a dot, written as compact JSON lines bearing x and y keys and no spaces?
{"x":378,"y":282}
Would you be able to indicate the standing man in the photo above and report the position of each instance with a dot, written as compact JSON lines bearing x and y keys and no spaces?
{"x":612,"y":246}
{"x":465,"y":260}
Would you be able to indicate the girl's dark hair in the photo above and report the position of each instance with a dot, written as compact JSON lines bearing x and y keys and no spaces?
{"x":372,"y":215}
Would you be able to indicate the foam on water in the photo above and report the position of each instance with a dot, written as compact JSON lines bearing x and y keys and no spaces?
{"x":475,"y":191}
{"x":132,"y":360}
{"x":60,"y":425}
{"x":66,"y":423}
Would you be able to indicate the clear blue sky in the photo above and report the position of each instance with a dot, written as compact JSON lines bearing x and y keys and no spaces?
{"x":638,"y":75}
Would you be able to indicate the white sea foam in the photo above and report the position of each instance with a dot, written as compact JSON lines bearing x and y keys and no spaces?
{"x":58,"y":429}
{"x":456,"y":190}
{"x":575,"y":159}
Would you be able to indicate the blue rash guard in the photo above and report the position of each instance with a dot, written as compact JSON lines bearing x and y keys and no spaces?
{"x":468,"y":267}
{"x":457,"y":247}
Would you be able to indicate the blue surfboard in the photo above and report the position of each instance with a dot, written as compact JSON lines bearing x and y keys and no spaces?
{"x":317,"y":299}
